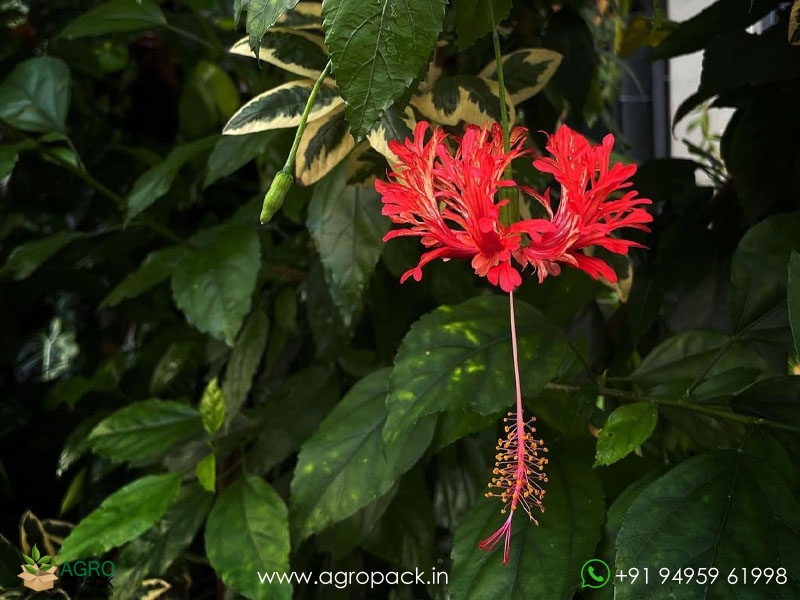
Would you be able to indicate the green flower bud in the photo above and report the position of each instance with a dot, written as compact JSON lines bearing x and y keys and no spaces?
{"x":275,"y":195}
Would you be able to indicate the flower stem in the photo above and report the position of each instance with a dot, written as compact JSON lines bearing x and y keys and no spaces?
{"x":515,"y":355}
{"x":288,"y":167}
{"x":510,"y":212}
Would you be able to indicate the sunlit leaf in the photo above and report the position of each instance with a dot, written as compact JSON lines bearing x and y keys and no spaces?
{"x":461,"y":354}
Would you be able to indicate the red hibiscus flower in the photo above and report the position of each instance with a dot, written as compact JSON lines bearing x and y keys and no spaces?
{"x":585,"y":207}
{"x":448,"y":200}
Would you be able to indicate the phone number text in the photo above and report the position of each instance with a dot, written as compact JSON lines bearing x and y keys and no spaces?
{"x":703,"y":575}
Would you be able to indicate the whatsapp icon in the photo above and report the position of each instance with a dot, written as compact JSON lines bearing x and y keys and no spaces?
{"x":595,"y":573}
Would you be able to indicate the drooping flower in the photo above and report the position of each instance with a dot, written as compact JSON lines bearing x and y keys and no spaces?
{"x":586,"y":209}
{"x":448,"y":200}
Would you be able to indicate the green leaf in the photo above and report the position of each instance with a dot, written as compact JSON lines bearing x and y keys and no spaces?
{"x":35,"y":553}
{"x":740,"y":61}
{"x":155,"y":182}
{"x":775,"y":398}
{"x":212,"y":407}
{"x":475,"y":18}
{"x":243,"y":363}
{"x":116,"y":16}
{"x":248,"y":532}
{"x":263,"y":14}
{"x":683,"y":357}
{"x":325,"y":143}
{"x":723,"y":16}
{"x":214,"y":284}
{"x":124,"y":515}
{"x":206,"y":473}
{"x":378,"y":47}
{"x":298,"y":52}
{"x":742,"y":515}
{"x":155,"y":268}
{"x":35,"y":96}
{"x":525,"y":71}
{"x":10,"y":154}
{"x":545,"y":561}
{"x":177,"y":357}
{"x":9,"y":563}
{"x":26,"y":258}
{"x":758,"y":270}
{"x":461,"y":354}
{"x":285,"y":428}
{"x":404,"y":535}
{"x":152,"y":553}
{"x":144,"y":430}
{"x":28,"y":559}
{"x":627,"y":428}
{"x":31,"y":570}
{"x":282,"y":107}
{"x":344,"y":466}
{"x":463,"y":99}
{"x":793,"y":295}
{"x":230,"y":153}
{"x":348,"y":228}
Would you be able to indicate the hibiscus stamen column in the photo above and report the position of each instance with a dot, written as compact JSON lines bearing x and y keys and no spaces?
{"x":519,"y":467}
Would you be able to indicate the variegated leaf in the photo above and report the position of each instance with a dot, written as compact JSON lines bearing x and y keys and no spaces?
{"x":306,"y":15}
{"x":394,"y":125}
{"x":282,"y":107}
{"x":525,"y":72}
{"x":324,"y":145}
{"x":298,"y":52}
{"x":463,"y":98}
{"x":364,"y":166}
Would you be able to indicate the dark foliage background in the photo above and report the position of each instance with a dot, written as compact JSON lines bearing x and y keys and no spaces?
{"x":205,"y":398}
